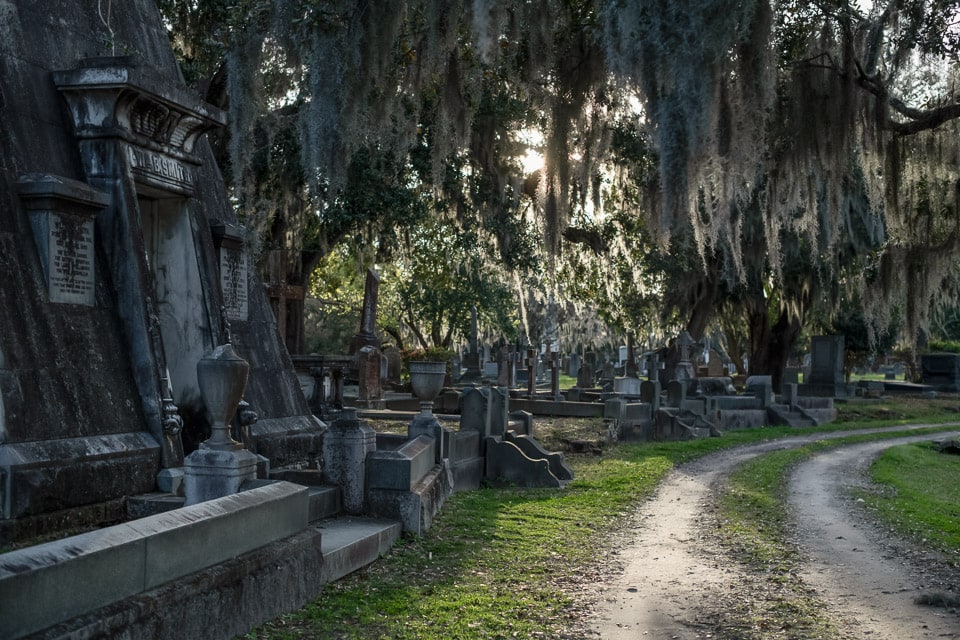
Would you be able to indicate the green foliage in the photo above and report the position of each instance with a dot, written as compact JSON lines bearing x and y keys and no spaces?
{"x":333,"y":303}
{"x":794,"y":150}
{"x":861,"y":337}
{"x":429,"y":354}
{"x":948,"y":346}
{"x":441,"y":275}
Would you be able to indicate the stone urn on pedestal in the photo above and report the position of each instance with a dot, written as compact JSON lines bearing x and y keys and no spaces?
{"x":426,"y":381}
{"x":221,"y":464}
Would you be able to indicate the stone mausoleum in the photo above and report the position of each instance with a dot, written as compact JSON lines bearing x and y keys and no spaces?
{"x":121,"y":265}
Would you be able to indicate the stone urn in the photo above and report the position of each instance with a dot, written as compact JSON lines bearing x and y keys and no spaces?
{"x":426,"y":380}
{"x":222,"y":376}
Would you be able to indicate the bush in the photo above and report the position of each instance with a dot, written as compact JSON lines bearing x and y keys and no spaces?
{"x":948,"y":346}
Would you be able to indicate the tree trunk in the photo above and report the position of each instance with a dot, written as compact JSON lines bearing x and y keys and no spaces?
{"x":770,"y":346}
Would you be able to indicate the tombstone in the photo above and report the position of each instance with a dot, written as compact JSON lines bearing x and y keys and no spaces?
{"x":676,"y":393}
{"x":346,"y":446}
{"x":573,"y":365}
{"x":761,"y":387}
{"x":789,"y":394}
{"x":552,"y":362}
{"x":533,"y":360}
{"x":650,"y":394}
{"x":62,"y":212}
{"x":791,"y":375}
{"x":476,"y":410}
{"x":228,"y":239}
{"x":499,"y":411}
{"x":607,"y":371}
{"x":394,"y":365}
{"x":653,"y":367}
{"x":715,"y":368}
{"x":685,"y":369}
{"x":504,"y":363}
{"x":719,"y":386}
{"x":627,"y":386}
{"x":471,"y":361}
{"x":826,"y":362}
{"x":370,"y":390}
{"x":826,"y":376}
{"x":590,"y":360}
{"x":941,"y":371}
{"x":367,"y":335}
{"x":585,"y":377}
{"x":630,"y":364}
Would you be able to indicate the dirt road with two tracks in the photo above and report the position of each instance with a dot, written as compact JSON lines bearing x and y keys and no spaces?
{"x":677,"y":583}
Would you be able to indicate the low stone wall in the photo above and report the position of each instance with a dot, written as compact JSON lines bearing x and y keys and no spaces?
{"x":51,"y":583}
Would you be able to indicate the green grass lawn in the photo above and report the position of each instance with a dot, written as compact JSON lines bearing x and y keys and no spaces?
{"x":919,"y":495}
{"x":502,"y":562}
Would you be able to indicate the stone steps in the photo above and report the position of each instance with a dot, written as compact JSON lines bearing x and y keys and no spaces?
{"x":325,"y":499}
{"x":324,"y":502}
{"x":350,"y":543}
{"x":784,"y":415}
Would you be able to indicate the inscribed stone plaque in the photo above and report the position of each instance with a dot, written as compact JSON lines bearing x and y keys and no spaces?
{"x":160,"y":169}
{"x":61,"y":215}
{"x":68,"y":255}
{"x":233,"y":281}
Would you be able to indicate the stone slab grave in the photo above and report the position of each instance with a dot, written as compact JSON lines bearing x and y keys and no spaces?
{"x":408,"y":484}
{"x":941,"y":371}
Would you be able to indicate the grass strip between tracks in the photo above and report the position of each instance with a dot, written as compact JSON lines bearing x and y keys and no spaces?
{"x":507,"y":562}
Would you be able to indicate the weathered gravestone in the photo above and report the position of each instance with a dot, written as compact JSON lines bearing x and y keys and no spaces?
{"x":370,"y":390}
{"x":585,"y":377}
{"x":715,"y":368}
{"x":367,"y":335}
{"x":471,"y":361}
{"x":504,"y":367}
{"x":941,"y":371}
{"x":394,"y":365}
{"x":826,"y":377}
{"x":573,"y":365}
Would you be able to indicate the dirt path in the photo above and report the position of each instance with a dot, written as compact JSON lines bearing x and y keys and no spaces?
{"x":867,"y":580}
{"x":673,"y":584}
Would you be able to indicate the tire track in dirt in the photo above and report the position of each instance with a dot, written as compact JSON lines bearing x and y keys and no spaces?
{"x":671,"y":579}
{"x":867,"y":580}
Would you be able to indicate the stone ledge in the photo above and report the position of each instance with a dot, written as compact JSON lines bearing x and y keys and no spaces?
{"x":43,"y":585}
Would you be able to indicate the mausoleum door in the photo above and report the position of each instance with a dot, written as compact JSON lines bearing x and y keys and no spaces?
{"x":180,"y":304}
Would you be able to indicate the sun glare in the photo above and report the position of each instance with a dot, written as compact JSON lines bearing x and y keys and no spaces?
{"x":532,"y":161}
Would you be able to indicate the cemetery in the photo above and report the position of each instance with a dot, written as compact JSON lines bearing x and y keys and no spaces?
{"x":184,"y":449}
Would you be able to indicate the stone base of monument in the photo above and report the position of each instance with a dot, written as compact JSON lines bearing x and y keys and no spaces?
{"x":214,"y":473}
{"x":347,"y":444}
{"x":827,"y":389}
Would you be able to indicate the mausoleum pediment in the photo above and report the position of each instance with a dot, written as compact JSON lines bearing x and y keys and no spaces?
{"x":159,"y":122}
